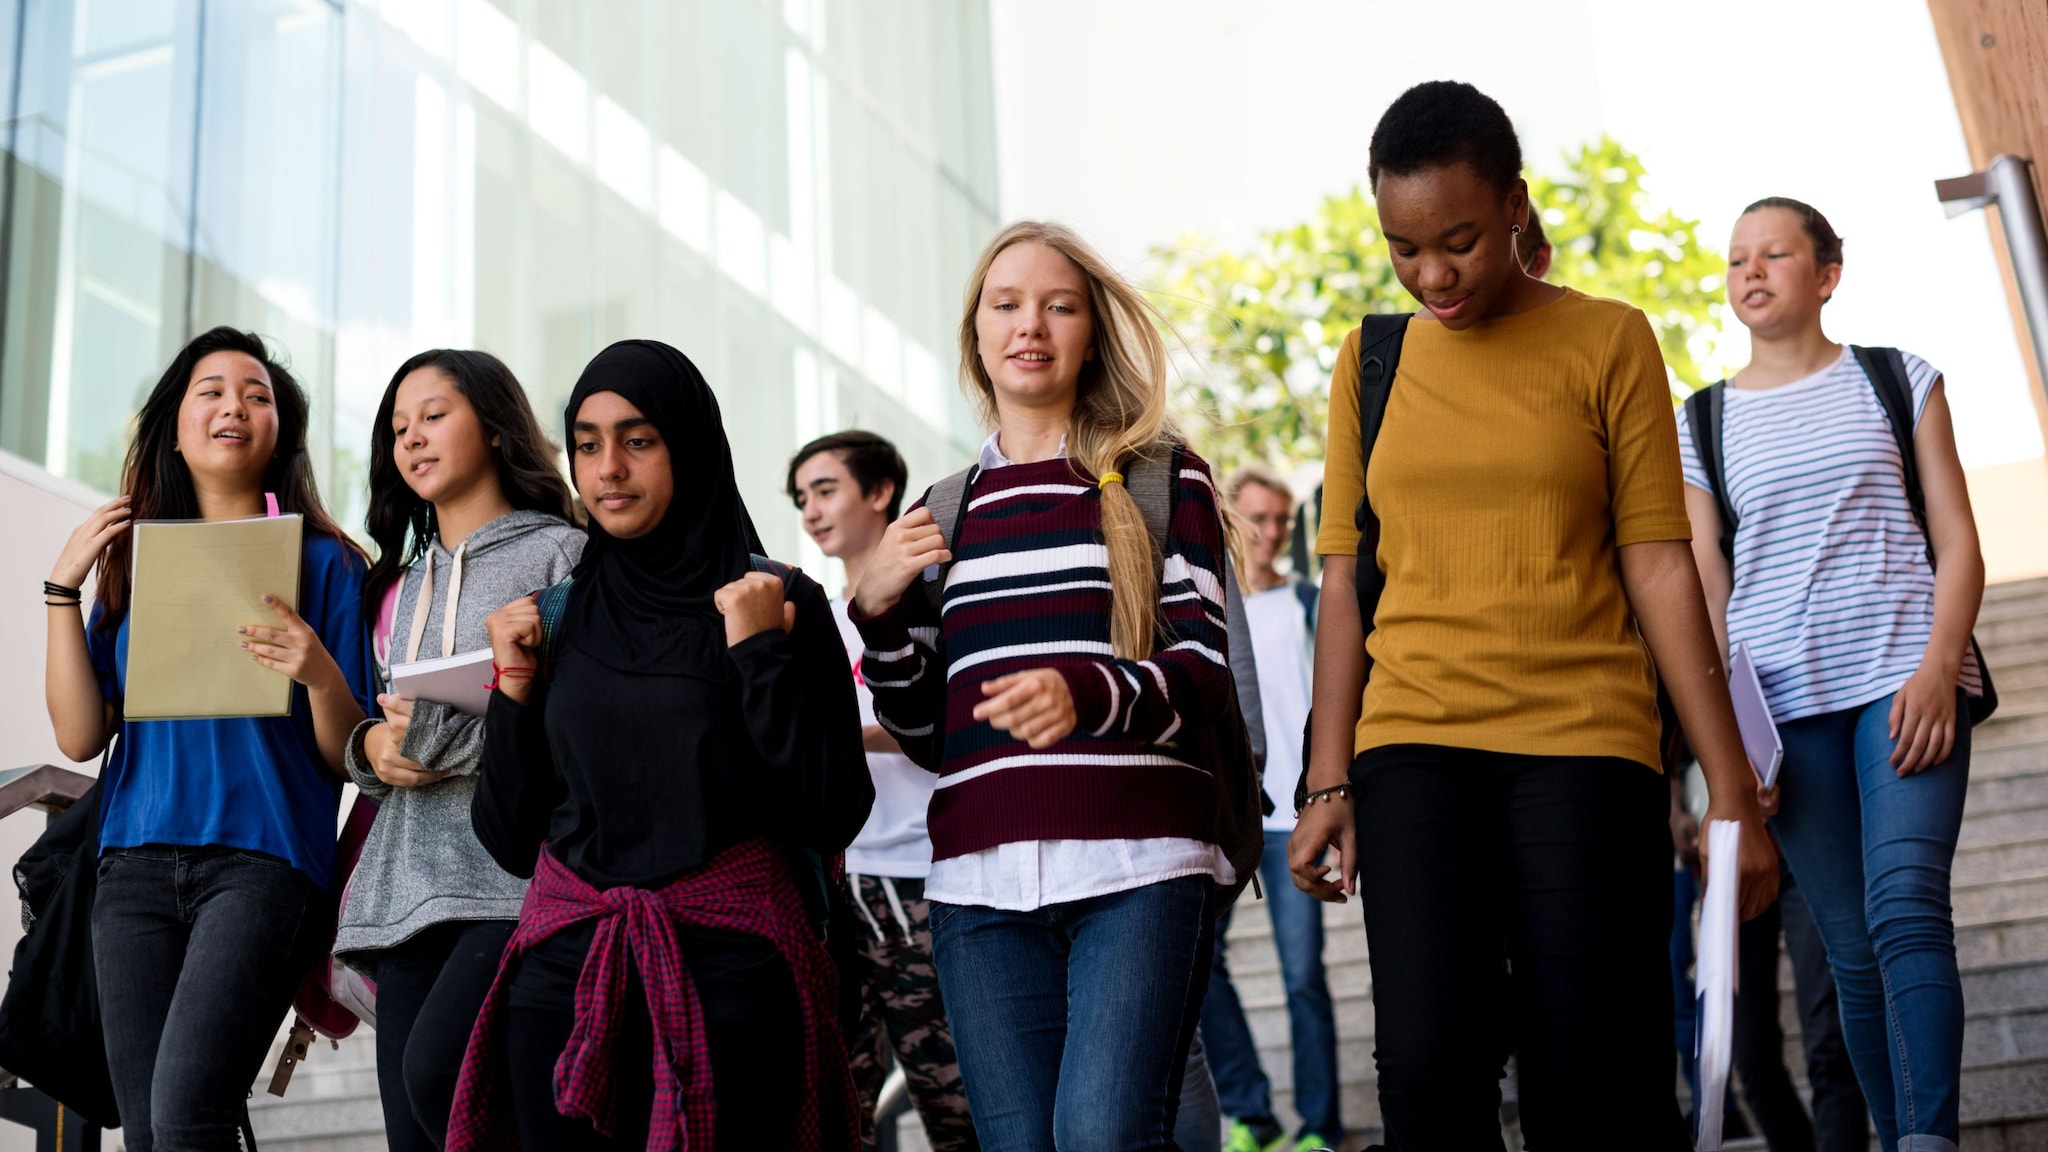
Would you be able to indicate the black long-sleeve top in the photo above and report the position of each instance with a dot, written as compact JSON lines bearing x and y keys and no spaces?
{"x":766,"y":743}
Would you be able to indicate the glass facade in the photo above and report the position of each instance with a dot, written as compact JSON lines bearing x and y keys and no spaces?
{"x":791,"y":191}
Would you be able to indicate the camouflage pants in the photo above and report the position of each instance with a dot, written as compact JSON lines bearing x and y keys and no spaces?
{"x":889,"y":957}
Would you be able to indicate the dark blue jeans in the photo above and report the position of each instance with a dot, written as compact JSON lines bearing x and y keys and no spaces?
{"x":198,"y":951}
{"x":1241,"y":1084}
{"x":1873,"y":851}
{"x":1073,"y":1021}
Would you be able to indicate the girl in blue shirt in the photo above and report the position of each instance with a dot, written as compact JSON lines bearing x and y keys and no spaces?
{"x":217,"y":836}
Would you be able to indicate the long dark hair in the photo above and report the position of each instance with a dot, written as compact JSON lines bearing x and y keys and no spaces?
{"x":401,"y":523}
{"x":160,"y":482}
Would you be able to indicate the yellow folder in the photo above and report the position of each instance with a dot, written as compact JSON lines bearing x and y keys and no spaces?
{"x":193,"y":584}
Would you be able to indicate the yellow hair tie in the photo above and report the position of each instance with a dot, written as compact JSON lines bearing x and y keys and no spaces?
{"x":1109,"y":478}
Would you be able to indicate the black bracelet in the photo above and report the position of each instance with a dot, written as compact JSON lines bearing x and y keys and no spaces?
{"x":52,"y":588}
{"x":1339,"y":791}
{"x":64,"y":603}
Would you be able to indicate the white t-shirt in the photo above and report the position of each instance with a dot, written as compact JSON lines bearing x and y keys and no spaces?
{"x":893,"y":842}
{"x":1280,"y":640}
{"x":1833,"y":592}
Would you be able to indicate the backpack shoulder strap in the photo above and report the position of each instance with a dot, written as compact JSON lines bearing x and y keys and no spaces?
{"x":1703,"y":418}
{"x":1379,"y":358}
{"x":553,"y":600}
{"x":1152,"y":482}
{"x":776,"y":568}
{"x":1886,"y":368}
{"x":947,"y":500}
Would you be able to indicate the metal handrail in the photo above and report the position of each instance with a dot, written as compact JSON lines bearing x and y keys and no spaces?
{"x":44,"y":786}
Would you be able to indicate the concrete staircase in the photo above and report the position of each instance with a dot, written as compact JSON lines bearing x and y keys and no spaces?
{"x":331,"y":1104}
{"x":2001,"y":910}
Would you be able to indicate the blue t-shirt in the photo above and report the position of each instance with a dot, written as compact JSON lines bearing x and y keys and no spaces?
{"x":257,"y":784}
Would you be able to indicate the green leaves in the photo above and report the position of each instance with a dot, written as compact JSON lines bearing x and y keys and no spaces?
{"x":1260,"y":329}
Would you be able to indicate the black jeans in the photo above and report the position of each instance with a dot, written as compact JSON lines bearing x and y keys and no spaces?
{"x":751,"y":1025}
{"x":1530,"y":889}
{"x":198,"y":952}
{"x":429,"y":989}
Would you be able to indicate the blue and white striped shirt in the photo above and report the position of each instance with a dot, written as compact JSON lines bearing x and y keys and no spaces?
{"x":1833,"y":591}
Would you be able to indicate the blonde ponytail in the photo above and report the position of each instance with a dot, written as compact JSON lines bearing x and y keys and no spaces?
{"x":1119,"y":414}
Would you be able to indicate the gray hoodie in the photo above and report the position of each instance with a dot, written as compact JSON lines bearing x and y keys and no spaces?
{"x":422,"y":864}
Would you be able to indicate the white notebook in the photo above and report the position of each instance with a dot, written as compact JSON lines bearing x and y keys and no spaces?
{"x":1714,"y":976}
{"x":1753,"y":717}
{"x":457,"y":681}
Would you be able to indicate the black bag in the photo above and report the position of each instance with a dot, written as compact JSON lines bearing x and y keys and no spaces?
{"x":1224,"y":744}
{"x":50,"y":1028}
{"x":1886,"y":369}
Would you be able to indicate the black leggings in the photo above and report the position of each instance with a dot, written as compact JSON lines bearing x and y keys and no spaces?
{"x":751,"y":1025}
{"x":1530,"y":890}
{"x":429,"y":989}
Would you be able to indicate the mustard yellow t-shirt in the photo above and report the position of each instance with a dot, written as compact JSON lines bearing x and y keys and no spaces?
{"x":1516,"y":457}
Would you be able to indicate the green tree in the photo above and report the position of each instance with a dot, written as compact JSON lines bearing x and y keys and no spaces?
{"x":1261,"y":329}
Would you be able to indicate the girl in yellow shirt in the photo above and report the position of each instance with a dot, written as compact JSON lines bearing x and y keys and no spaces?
{"x":1490,"y":790}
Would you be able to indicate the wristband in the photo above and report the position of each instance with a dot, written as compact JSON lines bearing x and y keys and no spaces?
{"x":52,"y":588}
{"x":499,"y":673}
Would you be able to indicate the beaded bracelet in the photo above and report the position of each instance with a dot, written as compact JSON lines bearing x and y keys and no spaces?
{"x":1338,"y":791}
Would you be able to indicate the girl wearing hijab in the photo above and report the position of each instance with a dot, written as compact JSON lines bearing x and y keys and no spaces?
{"x":693,"y":722}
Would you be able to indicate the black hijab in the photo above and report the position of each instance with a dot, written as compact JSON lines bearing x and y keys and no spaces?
{"x":644,"y":605}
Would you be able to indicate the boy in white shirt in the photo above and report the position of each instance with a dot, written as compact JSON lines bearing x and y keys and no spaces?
{"x":1280,"y":610}
{"x":848,"y":487}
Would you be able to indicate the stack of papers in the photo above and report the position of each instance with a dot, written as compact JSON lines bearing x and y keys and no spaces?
{"x":1715,"y":978}
{"x":459,"y":681}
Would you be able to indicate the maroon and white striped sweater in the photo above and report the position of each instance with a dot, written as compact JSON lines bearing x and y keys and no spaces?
{"x":1029,"y":588}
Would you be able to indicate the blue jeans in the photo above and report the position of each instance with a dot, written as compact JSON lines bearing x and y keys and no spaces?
{"x":1872,"y":852}
{"x":1073,"y":1021}
{"x":1241,"y":1084}
{"x":197,"y":951}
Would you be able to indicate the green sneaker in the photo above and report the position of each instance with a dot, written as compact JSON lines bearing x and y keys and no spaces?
{"x":1310,"y":1142}
{"x":1245,"y":1138}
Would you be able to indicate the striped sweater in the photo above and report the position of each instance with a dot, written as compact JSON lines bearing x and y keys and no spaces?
{"x":1029,"y":588}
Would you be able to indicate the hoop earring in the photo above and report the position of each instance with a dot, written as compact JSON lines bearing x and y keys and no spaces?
{"x":1514,"y":229}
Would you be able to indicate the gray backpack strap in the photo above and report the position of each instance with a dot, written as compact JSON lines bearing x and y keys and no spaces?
{"x":947,"y":500}
{"x":1244,"y":663}
{"x":1150,"y":482}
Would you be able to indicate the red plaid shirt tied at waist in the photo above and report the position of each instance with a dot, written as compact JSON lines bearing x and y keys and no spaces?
{"x":747,"y":889}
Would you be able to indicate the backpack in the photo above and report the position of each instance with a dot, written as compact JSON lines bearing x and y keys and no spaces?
{"x":816,"y":876}
{"x":1227,"y":743}
{"x":1886,"y":368}
{"x":50,"y":1024}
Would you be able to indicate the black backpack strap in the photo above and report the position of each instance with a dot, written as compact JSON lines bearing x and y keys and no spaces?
{"x":947,"y":500}
{"x":553,"y":600}
{"x":1379,"y":358}
{"x":1886,"y":368}
{"x":1703,"y":411}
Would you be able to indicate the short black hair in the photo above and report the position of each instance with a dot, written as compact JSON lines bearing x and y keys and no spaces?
{"x":869,"y":459}
{"x":1444,"y":122}
{"x":1827,"y":246}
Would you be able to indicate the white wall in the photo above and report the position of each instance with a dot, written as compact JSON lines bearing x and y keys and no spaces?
{"x":37,"y":514}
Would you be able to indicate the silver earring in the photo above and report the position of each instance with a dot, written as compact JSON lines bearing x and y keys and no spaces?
{"x":1514,"y":229}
